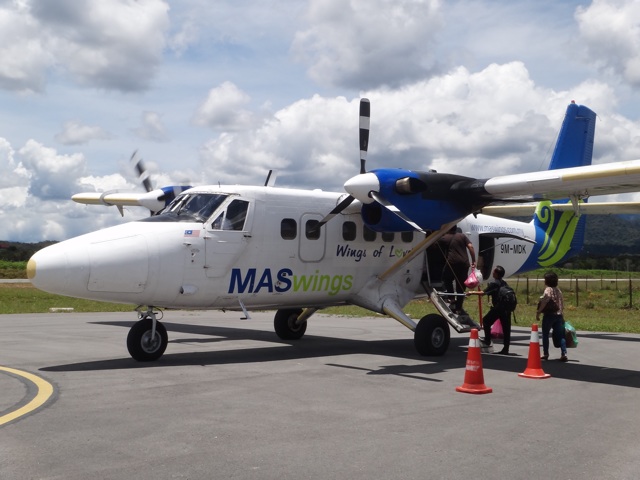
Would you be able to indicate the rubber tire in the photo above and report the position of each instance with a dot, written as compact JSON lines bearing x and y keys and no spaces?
{"x":284,"y":324}
{"x":432,"y":335}
{"x":138,"y":338}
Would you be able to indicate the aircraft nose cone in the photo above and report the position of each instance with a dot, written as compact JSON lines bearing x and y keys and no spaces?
{"x":52,"y":270}
{"x":360,"y":186}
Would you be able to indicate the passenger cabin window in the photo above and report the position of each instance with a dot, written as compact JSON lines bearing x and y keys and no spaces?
{"x":387,"y":236}
{"x":407,"y":237}
{"x":233,"y":217}
{"x":368,"y":234}
{"x":288,"y":229}
{"x":349,"y":231}
{"x":311,"y":231}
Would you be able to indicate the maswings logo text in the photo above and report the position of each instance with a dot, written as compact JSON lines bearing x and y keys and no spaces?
{"x":284,"y":281}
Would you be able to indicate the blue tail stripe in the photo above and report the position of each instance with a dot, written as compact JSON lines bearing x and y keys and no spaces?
{"x":574,"y":147}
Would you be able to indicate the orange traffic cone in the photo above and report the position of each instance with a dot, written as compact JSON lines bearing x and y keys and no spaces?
{"x":534,"y":365}
{"x":473,"y":377}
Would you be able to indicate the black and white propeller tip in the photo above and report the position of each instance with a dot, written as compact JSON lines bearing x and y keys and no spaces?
{"x":143,"y":174}
{"x":365,"y":115}
{"x":365,"y":118}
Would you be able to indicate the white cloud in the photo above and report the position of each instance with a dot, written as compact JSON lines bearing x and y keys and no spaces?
{"x":12,"y":173}
{"x":75,"y":133}
{"x":53,"y":176}
{"x":364,"y":44}
{"x":611,"y":30}
{"x":112,"y":45}
{"x":23,"y":53}
{"x":494,"y":121}
{"x":152,"y":128}
{"x":222,"y":109}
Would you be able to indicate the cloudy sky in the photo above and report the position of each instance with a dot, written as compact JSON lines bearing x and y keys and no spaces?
{"x":223,"y":91}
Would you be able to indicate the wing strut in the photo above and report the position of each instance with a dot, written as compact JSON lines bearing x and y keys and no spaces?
{"x":418,"y":249}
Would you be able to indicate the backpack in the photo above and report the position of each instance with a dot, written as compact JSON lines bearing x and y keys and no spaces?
{"x":507,"y":298}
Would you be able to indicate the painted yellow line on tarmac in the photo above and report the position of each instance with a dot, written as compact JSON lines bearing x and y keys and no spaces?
{"x":44,"y":392}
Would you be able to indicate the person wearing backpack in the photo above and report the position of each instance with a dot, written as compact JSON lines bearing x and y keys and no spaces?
{"x":551,"y":306}
{"x":501,"y":309}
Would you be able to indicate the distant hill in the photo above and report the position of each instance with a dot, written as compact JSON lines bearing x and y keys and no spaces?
{"x":612,"y":235}
{"x":612,"y":242}
{"x":20,"y":252}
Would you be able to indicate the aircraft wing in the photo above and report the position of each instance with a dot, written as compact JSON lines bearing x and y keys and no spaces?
{"x":109,"y":198}
{"x":592,"y":208}
{"x":579,"y":182}
{"x":155,"y":200}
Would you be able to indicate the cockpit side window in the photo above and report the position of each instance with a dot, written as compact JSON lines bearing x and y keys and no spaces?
{"x":233,"y":217}
{"x":190,"y":207}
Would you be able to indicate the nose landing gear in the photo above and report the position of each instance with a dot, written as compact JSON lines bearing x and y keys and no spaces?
{"x":147,"y":339}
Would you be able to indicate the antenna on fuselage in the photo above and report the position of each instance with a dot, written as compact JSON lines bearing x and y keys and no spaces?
{"x":271,"y":178}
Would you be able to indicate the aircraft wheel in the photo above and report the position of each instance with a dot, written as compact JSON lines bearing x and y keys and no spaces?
{"x":285,"y":326}
{"x":141,"y":346}
{"x":432,"y":335}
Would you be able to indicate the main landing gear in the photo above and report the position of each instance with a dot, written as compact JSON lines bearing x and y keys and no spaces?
{"x":432,"y":335}
{"x":289,"y":325}
{"x":147,"y":339}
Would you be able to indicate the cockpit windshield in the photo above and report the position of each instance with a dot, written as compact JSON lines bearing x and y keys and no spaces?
{"x":190,"y":207}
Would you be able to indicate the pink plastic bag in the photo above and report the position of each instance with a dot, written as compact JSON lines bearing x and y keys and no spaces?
{"x":496,"y":330}
{"x":472,"y":280}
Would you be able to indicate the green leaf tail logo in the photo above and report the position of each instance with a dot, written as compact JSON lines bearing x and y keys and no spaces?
{"x":559,"y":229}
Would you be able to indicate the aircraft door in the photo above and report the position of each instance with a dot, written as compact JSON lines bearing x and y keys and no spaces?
{"x":486,"y":254}
{"x":312,"y":241}
{"x":227,"y":237}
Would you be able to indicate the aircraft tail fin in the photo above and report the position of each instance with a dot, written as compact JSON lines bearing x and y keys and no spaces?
{"x":561,"y":234}
{"x":574,"y":147}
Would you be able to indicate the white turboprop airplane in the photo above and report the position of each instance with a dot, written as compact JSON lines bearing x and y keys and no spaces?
{"x":247,"y":247}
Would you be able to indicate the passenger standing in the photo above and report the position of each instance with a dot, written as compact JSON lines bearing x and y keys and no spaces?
{"x":497,"y":311}
{"x":551,"y":306}
{"x":455,"y":245}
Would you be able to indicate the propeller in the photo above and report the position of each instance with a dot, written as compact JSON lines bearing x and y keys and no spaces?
{"x":365,"y":114}
{"x":155,"y":199}
{"x":392,"y":208}
{"x":420,"y":200}
{"x":143,"y":175}
{"x":365,"y":118}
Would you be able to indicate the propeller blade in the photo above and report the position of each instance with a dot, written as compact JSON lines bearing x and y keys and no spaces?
{"x":365,"y":114}
{"x":393,"y":209}
{"x":143,"y":175}
{"x":339,"y":208}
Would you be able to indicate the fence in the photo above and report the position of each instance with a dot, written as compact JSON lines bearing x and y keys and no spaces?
{"x":576,"y":288}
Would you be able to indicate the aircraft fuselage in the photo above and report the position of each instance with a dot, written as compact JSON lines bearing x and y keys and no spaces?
{"x":274,"y":260}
